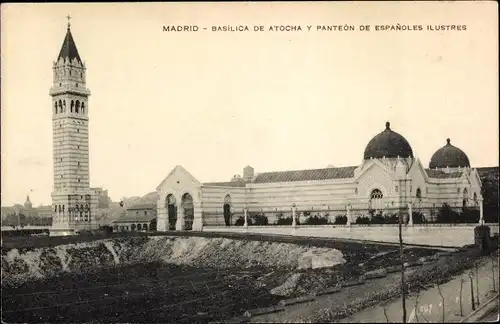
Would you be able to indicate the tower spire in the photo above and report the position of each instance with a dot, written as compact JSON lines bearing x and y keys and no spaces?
{"x":68,"y":48}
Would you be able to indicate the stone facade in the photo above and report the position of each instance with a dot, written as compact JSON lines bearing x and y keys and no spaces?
{"x":74,"y":203}
{"x":383,"y":183}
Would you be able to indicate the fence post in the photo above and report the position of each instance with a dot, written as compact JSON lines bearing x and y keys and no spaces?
{"x":462,"y":280}
{"x":477,"y":282}
{"x":493,"y":272}
{"x":442,"y":301}
{"x":416,"y":306}
{"x":472,"y":291}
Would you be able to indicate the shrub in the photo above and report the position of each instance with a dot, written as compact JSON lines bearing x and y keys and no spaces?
{"x":316,"y":220}
{"x":363,"y":220}
{"x":284,"y":221}
{"x":418,"y":218}
{"x":469,"y":215}
{"x":377,"y":219}
{"x":340,"y":220}
{"x":259,"y":219}
{"x":392,"y":218}
{"x":241,"y":221}
{"x":447,"y":215}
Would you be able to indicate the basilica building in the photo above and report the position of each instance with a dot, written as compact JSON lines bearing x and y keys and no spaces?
{"x":389,"y":177}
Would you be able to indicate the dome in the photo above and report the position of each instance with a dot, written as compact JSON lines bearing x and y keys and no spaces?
{"x":388,"y":144}
{"x":449,"y":156}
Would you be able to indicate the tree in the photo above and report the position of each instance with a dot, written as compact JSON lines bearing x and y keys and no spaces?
{"x":489,"y":191}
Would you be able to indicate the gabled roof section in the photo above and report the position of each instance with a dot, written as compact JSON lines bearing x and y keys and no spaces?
{"x":178,"y":168}
{"x":234,"y":184}
{"x":438,"y":174}
{"x":142,"y":206}
{"x":306,"y":175}
{"x":68,"y":49}
{"x":135,"y":219}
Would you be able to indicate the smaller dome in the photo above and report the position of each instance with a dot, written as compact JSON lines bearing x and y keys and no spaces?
{"x":449,"y":156}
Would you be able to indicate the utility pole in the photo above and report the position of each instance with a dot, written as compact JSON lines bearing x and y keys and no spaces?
{"x":401,"y":212}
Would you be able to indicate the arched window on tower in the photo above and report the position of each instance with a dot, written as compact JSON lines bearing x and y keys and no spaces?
{"x":64,"y":106}
{"x":77,"y":106}
{"x":55,"y":107}
{"x":60,"y":106}
{"x":83,"y":107}
{"x":72,"y":105}
{"x":476,"y":203}
{"x":376,"y":199}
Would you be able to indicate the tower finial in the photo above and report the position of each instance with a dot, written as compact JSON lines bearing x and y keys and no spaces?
{"x":387,"y":126}
{"x":448,"y":141}
{"x":68,"y":17}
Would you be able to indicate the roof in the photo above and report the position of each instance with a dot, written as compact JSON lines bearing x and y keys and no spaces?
{"x":438,"y":174}
{"x":68,"y":49}
{"x":388,"y":144}
{"x":227,"y":184}
{"x":306,"y":175}
{"x":135,"y":219}
{"x":143,"y":206}
{"x":488,"y":171}
{"x":449,"y":156}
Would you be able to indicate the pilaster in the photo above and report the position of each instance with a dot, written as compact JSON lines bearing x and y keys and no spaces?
{"x":180,"y":224}
{"x":162,"y":219}
{"x":198,"y":218}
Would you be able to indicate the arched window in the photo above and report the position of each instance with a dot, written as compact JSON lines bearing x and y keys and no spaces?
{"x":77,"y":106}
{"x":476,"y":203}
{"x":139,"y":227}
{"x":465,"y":197}
{"x":418,"y":194}
{"x":83,"y":108}
{"x":64,"y":106}
{"x":55,"y":107}
{"x":376,"y":194}
{"x":171,"y":200}
{"x":72,"y":105}
{"x":376,"y":199}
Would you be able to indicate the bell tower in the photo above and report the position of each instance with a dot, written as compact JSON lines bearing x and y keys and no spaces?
{"x":73,"y":202}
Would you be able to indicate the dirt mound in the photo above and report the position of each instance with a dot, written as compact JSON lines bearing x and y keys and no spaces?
{"x":19,"y":266}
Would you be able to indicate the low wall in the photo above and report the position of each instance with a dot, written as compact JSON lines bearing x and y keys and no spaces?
{"x":449,"y":235}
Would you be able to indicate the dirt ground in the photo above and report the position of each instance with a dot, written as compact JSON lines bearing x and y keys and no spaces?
{"x":349,"y":301}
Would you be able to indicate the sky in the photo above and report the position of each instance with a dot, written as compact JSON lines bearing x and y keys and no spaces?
{"x":215,"y":102}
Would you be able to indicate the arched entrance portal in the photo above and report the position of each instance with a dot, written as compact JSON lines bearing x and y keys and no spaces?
{"x":172,"y":212}
{"x":227,"y":210}
{"x":188,"y":211}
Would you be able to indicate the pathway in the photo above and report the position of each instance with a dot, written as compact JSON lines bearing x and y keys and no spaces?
{"x":430,"y":304}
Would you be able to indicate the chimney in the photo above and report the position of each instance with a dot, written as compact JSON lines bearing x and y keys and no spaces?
{"x":248,"y":172}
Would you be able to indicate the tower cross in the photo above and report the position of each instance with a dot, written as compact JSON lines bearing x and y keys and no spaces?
{"x":68,"y":17}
